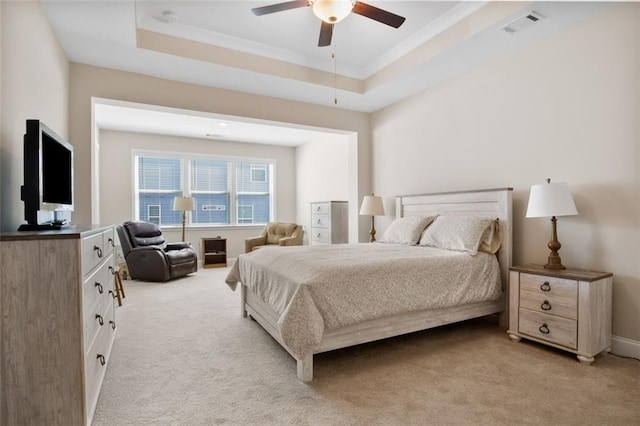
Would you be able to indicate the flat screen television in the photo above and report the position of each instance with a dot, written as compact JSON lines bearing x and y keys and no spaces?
{"x":48,"y":177}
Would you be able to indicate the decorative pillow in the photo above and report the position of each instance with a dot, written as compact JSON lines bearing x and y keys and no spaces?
{"x":406,"y":230}
{"x":462,"y":233}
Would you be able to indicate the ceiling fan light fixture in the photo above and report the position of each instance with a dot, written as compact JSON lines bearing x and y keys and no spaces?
{"x":332,"y":11}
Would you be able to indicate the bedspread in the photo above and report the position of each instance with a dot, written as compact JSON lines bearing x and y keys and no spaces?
{"x":313,"y":288}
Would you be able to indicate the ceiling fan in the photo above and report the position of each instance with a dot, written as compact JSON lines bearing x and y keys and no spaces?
{"x":333,"y":11}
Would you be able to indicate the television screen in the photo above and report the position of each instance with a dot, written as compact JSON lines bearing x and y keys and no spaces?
{"x":56,"y":172}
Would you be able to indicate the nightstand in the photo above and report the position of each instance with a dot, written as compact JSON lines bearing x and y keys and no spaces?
{"x":568,"y":309}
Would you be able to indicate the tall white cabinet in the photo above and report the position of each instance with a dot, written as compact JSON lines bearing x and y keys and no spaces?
{"x":330,"y":222}
{"x":58,"y":323}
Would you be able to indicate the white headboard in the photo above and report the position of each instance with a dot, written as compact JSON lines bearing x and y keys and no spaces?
{"x":484,"y":202}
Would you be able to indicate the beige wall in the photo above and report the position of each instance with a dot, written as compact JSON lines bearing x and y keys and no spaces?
{"x":88,"y":81}
{"x":567,"y":108}
{"x":322,"y":173}
{"x":34,"y":84}
{"x":116,"y":176}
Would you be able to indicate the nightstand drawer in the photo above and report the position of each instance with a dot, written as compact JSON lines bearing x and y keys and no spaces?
{"x":553,"y":304}
{"x":551,"y":328}
{"x":551,"y":287}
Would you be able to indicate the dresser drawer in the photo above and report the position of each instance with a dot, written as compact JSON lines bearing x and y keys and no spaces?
{"x":96,"y":287}
{"x":320,"y":235}
{"x":92,"y":252}
{"x":108,"y":242}
{"x":97,"y":318}
{"x":320,"y":208}
{"x":551,"y":328}
{"x":320,"y":221}
{"x":95,"y":366}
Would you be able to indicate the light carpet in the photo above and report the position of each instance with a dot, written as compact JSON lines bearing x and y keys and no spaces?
{"x":183,"y":355}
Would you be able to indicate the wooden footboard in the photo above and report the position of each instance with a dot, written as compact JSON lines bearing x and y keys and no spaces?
{"x":367,"y":331}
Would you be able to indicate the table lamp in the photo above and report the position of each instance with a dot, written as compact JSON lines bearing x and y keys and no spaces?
{"x":372,"y":206}
{"x":551,"y":199}
{"x":183,"y":204}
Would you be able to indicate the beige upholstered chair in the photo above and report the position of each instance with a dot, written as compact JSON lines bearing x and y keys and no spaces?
{"x":276,"y":233}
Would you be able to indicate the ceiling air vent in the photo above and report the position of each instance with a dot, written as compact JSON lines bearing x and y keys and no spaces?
{"x":521,"y":23}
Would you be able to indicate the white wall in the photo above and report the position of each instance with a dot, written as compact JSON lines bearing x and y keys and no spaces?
{"x":116,"y":180}
{"x":322,"y":174}
{"x":566,"y":107}
{"x":34,"y":85}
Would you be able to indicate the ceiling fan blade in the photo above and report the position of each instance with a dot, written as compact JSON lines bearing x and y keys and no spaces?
{"x":379,"y":15}
{"x":326,"y":32}
{"x":279,"y":7}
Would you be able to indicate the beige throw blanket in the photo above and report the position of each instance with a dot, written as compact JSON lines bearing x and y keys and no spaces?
{"x":313,"y":288}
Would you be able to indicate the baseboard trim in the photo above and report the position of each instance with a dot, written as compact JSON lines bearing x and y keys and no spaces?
{"x":625,"y":347}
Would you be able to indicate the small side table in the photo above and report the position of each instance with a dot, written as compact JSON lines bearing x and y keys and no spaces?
{"x":214,"y":252}
{"x":568,"y":309}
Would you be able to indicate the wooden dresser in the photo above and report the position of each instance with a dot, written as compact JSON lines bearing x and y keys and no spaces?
{"x":568,"y":309}
{"x":330,"y":222}
{"x":58,"y":323}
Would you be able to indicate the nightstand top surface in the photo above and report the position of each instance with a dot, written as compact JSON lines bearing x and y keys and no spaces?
{"x":569,"y":273}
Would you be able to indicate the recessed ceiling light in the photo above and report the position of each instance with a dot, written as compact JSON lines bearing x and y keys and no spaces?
{"x":222,"y":124}
{"x":214,"y":135}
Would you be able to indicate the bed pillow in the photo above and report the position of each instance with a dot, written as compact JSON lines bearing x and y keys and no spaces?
{"x":462,"y":233}
{"x":406,"y":230}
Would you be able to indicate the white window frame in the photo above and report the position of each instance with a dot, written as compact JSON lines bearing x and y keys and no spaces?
{"x":185,"y":183}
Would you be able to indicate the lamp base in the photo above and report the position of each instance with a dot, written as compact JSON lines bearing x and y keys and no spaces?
{"x":554,"y":262}
{"x":550,"y":265}
{"x":372,"y":231}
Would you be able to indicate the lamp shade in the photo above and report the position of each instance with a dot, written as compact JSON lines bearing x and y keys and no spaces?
{"x":551,"y":199}
{"x":372,"y":206}
{"x":332,"y":11}
{"x":184,"y":204}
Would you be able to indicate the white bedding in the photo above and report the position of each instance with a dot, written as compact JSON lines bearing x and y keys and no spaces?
{"x":313,"y":288}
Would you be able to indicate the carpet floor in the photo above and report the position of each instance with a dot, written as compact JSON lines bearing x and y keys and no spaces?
{"x":183,"y":355}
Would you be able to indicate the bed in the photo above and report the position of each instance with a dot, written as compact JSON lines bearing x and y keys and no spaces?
{"x":314,"y":299}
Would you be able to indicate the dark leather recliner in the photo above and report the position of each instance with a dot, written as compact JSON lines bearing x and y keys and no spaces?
{"x":149,"y":258}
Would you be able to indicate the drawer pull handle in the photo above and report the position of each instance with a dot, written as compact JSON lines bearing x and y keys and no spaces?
{"x":546,"y":306}
{"x":111,"y":242}
{"x":112,"y":324}
{"x":318,"y":208}
{"x":546,"y":286}
{"x":113,"y":271}
{"x":544,"y":328}
{"x":100,"y":319}
{"x":100,"y":357}
{"x":319,"y":234}
{"x":98,"y":250}
{"x":100,"y":289}
{"x":319,"y":221}
{"x":112,"y":294}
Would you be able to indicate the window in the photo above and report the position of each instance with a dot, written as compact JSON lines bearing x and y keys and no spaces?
{"x":253,"y":195}
{"x":226,"y":191}
{"x":210,"y":190}
{"x":159,"y":182}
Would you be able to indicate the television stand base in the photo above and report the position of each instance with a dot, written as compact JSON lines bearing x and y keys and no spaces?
{"x":44,"y":226}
